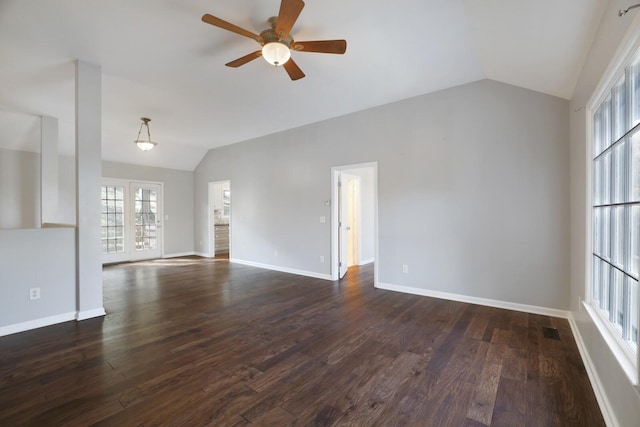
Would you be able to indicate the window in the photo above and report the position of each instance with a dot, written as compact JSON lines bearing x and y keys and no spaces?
{"x":615,"y":216}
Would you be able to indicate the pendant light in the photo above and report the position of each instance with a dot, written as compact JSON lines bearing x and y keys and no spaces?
{"x":145,"y":144}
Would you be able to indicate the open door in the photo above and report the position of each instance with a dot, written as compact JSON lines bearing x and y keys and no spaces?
{"x":348,"y":219}
{"x":343,"y":226}
{"x":353,"y":219}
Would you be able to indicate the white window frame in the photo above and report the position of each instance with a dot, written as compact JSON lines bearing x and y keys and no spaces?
{"x":626,"y":52}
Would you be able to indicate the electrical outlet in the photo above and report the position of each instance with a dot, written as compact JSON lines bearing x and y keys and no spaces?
{"x":275,"y":253}
{"x":579,"y":304}
{"x":405,"y":268}
{"x":34,"y":293}
{"x":321,"y":258}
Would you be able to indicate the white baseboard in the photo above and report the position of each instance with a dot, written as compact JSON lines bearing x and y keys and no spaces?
{"x":179,"y":254}
{"x":36,"y":323}
{"x":366,"y":261}
{"x":89,"y":314}
{"x":282,"y":269}
{"x":204,"y":254}
{"x":594,"y":378}
{"x":476,"y":300}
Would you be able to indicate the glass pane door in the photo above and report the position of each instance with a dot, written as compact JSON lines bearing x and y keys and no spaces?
{"x":113,"y":223}
{"x":146,"y":221}
{"x":131,"y":220}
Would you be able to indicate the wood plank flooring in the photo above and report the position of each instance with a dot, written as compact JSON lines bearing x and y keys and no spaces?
{"x":195,"y":342}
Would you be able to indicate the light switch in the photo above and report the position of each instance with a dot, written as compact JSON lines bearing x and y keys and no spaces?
{"x":166,"y":217}
{"x":323,"y":220}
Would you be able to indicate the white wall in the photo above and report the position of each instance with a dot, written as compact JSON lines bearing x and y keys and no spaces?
{"x":178,"y":201}
{"x":618,"y":390}
{"x":54,"y":273}
{"x":473,"y":192}
{"x":20,"y":190}
{"x":66,"y":190}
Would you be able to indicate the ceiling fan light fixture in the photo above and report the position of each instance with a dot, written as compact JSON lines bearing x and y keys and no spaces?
{"x":144,"y":144}
{"x":276,"y":53}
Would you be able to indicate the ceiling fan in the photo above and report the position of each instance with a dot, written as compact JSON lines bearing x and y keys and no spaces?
{"x":277,"y":42}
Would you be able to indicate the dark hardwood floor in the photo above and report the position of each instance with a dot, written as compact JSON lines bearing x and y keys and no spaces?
{"x":193,"y":342}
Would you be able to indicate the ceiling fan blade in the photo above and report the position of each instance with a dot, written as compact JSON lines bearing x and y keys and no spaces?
{"x":293,"y":70}
{"x":247,"y":58}
{"x":321,"y":46}
{"x":217,"y":22}
{"x":289,"y":12}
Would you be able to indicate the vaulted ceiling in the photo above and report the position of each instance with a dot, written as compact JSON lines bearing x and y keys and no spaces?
{"x":160,"y":61}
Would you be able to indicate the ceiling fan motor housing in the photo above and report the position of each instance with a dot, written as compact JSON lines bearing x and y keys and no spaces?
{"x":269,"y":35}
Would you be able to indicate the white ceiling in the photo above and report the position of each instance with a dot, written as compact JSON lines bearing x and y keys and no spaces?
{"x":160,"y":61}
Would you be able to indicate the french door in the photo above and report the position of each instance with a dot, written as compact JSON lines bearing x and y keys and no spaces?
{"x":131,"y":221}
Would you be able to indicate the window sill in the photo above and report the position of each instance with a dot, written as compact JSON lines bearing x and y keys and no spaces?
{"x":622,"y":354}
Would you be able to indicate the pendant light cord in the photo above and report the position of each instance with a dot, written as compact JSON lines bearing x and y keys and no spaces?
{"x":145,"y":122}
{"x":139,"y":131}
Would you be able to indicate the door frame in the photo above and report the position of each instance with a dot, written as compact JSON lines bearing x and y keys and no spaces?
{"x":335,"y":170}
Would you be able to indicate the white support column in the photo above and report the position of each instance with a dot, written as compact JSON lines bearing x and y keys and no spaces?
{"x":49,"y":181}
{"x":88,"y":178}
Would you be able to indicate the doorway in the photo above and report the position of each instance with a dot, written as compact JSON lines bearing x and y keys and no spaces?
{"x":131,"y":220}
{"x":219,"y":218}
{"x":354,"y":223}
